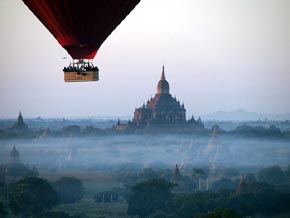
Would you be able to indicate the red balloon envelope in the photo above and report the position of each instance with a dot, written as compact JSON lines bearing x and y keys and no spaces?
{"x":81,"y":26}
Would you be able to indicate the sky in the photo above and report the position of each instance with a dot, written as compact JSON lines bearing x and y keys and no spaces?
{"x":218,"y":55}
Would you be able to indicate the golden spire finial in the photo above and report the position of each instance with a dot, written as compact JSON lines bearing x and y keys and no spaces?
{"x":163,"y":74}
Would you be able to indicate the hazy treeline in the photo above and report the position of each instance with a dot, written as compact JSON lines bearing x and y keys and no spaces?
{"x":39,"y":128}
{"x":154,"y":192}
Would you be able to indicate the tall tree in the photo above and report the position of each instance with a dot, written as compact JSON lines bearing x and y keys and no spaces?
{"x":31,"y":196}
{"x":149,"y":196}
{"x":3,"y":212}
{"x":272,"y":175}
{"x":287,"y":172}
{"x":198,"y":174}
{"x":223,"y":184}
{"x":69,"y":189}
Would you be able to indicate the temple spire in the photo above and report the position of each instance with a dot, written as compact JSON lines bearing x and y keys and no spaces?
{"x":163,"y":85}
{"x":176,"y":175}
{"x":163,"y":74}
{"x":19,"y":115}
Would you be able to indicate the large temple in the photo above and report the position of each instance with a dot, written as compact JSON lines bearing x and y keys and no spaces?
{"x":161,"y":111}
{"x":163,"y":108}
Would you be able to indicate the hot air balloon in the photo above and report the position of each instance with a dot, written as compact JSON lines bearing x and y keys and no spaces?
{"x":80,"y":27}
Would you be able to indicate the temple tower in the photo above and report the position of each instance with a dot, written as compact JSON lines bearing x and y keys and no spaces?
{"x":163,"y":85}
{"x":176,"y":175}
{"x":14,"y":157}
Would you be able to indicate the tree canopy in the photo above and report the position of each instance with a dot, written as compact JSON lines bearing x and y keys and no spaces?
{"x":31,"y":196}
{"x":3,"y":212}
{"x":198,"y":173}
{"x":223,"y":183}
{"x":220,"y":213}
{"x":69,"y":189}
{"x":272,"y":175}
{"x":149,"y":196}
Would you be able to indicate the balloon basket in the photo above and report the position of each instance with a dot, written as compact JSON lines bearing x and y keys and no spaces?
{"x":81,"y":71}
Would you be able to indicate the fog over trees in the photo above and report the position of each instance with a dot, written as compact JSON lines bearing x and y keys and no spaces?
{"x":76,"y":171}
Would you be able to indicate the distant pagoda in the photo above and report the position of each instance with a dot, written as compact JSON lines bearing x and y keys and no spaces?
{"x":176,"y":176}
{"x":14,"y":169}
{"x":14,"y":157}
{"x":242,"y":185}
{"x":245,"y":183}
{"x":19,"y":125}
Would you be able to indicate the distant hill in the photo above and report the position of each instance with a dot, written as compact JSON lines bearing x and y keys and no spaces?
{"x":242,"y":115}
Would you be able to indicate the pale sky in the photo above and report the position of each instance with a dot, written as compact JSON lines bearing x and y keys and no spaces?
{"x":218,"y":55}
